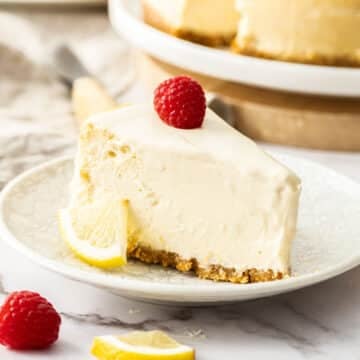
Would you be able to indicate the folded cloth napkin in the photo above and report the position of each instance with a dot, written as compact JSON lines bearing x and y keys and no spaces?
{"x":36,"y":123}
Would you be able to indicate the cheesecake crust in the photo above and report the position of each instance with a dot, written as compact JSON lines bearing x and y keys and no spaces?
{"x":151,"y":17}
{"x":212,"y":272}
{"x":247,"y":48}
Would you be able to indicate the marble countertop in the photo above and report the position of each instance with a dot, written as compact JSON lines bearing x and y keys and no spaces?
{"x":320,"y":322}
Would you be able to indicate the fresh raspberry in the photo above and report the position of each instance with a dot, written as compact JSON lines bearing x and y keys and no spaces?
{"x":28,"y":321}
{"x":180,"y":102}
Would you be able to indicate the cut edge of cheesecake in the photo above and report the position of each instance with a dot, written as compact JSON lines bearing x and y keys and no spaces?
{"x":294,"y":43}
{"x":99,"y":127}
{"x":156,"y":20}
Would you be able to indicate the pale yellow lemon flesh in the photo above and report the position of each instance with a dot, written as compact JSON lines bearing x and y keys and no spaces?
{"x":140,"y":345}
{"x":97,"y":232}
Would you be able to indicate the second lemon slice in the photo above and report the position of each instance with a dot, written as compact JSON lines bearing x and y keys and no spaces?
{"x":97,"y":233}
{"x":140,"y":345}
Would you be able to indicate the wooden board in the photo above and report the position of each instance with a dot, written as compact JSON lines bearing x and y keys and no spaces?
{"x":273,"y":116}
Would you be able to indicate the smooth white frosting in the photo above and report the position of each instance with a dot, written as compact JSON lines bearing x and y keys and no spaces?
{"x":211,"y":17}
{"x":208,"y":193}
{"x":301,"y":29}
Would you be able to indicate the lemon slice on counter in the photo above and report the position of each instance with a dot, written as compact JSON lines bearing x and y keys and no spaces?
{"x":97,"y":233}
{"x":140,"y":345}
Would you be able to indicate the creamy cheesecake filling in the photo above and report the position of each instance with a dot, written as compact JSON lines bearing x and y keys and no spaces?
{"x":320,"y":31}
{"x":208,"y":194}
{"x":198,"y":18}
{"x":171,"y":11}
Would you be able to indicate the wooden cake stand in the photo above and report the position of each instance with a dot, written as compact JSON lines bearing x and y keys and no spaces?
{"x":272,"y":116}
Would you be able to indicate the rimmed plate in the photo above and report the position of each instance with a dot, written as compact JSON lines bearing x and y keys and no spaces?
{"x":311,"y":79}
{"x":327,"y":241}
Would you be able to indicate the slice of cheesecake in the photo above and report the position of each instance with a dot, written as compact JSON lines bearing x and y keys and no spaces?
{"x":206,"y":199}
{"x":210,"y":22}
{"x":309,"y":31}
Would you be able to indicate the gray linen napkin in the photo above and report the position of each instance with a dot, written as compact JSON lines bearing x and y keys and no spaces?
{"x":35,"y":112}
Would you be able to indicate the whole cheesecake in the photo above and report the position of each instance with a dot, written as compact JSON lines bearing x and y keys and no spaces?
{"x":206,"y":199}
{"x":209,"y":22}
{"x":308,"y":31}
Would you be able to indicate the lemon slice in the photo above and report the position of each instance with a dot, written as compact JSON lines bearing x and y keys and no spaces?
{"x":97,"y":233}
{"x":140,"y":345}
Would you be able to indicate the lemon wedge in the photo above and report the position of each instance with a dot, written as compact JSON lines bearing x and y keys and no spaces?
{"x":97,"y":233}
{"x":140,"y":345}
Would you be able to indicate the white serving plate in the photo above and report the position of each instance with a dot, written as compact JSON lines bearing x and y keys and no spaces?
{"x":327,"y":241}
{"x":311,"y":79}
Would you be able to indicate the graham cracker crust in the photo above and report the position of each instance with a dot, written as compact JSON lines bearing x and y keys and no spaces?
{"x":151,"y":17}
{"x":213,"y":272}
{"x":246,"y":48}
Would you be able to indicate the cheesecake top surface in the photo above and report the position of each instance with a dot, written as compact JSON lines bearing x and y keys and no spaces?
{"x":140,"y":125}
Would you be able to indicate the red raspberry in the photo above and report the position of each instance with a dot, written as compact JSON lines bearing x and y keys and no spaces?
{"x":180,"y":102}
{"x":28,"y":321}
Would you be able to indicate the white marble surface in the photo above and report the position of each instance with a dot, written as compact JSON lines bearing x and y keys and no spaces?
{"x":321,"y":322}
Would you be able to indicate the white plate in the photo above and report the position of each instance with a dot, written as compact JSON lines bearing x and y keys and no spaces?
{"x":327,"y":241}
{"x":311,"y":79}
